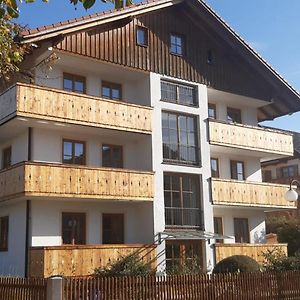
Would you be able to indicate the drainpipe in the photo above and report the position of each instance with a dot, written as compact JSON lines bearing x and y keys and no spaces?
{"x":27,"y":236}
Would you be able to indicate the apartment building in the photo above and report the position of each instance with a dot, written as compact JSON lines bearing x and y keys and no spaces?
{"x":138,"y":133}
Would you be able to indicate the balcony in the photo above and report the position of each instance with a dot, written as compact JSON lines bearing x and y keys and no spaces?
{"x":250,"y":138}
{"x":31,"y":101}
{"x":253,"y":250}
{"x":81,"y":260}
{"x":68,"y":181}
{"x":247,"y":193}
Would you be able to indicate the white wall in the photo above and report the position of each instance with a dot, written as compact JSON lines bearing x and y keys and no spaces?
{"x":135,"y":85}
{"x":160,"y":168}
{"x":19,"y":147}
{"x":47,"y":147}
{"x":249,"y":114}
{"x":251,"y":165}
{"x":47,"y":217}
{"x":12,"y":262}
{"x":256,"y":220}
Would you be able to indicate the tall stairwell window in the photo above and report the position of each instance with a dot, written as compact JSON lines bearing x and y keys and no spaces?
{"x":182,"y":200}
{"x":180,"y":139}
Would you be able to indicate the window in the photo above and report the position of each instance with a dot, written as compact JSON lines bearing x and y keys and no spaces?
{"x":241,"y":230}
{"x":214,"y":164}
{"x":113,"y":229}
{"x":210,"y":57}
{"x":212,"y":114}
{"x":111,"y":90}
{"x":6,"y":157}
{"x":182,"y":200}
{"x":4,"y":221}
{"x":288,"y":171}
{"x":179,"y":93}
{"x":73,"y":228}
{"x":177,"y":44}
{"x":142,"y":36}
{"x":218,"y":228}
{"x":234,"y":115}
{"x":73,"y":152}
{"x":74,"y":83}
{"x":183,"y":253}
{"x":180,"y":138}
{"x":112,"y":156}
{"x":237,"y":170}
{"x":267,"y":175}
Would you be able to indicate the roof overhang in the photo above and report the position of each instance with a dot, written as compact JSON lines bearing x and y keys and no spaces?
{"x":189,"y":235}
{"x":106,"y":17}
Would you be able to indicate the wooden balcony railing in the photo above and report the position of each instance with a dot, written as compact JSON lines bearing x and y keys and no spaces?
{"x":68,"y":181}
{"x":82,"y":260}
{"x":34,"y":101}
{"x":247,"y":193}
{"x":250,"y":138}
{"x":253,"y":250}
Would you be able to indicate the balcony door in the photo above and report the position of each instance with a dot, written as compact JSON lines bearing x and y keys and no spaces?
{"x":113,"y":229}
{"x":241,"y":230}
{"x":73,"y":228}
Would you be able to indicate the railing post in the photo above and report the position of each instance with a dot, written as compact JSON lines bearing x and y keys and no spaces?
{"x":55,"y":288}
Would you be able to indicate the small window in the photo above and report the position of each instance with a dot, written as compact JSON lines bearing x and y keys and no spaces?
{"x":241,"y":230}
{"x":74,"y":83}
{"x":6,"y":157}
{"x":237,"y":170}
{"x":111,"y":90}
{"x":214,"y":163}
{"x":142,"y":36}
{"x":212,"y":113}
{"x":73,"y":152}
{"x":177,"y":44}
{"x":179,"y":93}
{"x":112,"y":156}
{"x":267,"y":175}
{"x":210,"y":57}
{"x":4,"y":221}
{"x":73,"y":228}
{"x":218,"y":227}
{"x":288,"y":171}
{"x":234,"y":115}
{"x":113,"y":229}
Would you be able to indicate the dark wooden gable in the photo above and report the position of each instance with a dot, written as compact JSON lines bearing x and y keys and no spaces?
{"x":116,"y":43}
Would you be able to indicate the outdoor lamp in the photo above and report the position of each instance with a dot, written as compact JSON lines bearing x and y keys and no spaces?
{"x":291,"y":195}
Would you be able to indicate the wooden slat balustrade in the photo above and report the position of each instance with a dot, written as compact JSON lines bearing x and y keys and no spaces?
{"x":253,"y":250}
{"x":38,"y":102}
{"x":67,"y":181}
{"x":81,"y":260}
{"x":250,"y":138}
{"x":248,"y":193}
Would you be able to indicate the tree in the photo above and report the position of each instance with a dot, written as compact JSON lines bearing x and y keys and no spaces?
{"x":11,"y":52}
{"x":10,"y":7}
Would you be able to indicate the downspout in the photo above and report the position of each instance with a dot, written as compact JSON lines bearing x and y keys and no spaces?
{"x":28,"y":209}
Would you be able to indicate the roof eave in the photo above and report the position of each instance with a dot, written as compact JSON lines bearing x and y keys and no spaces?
{"x":99,"y":20}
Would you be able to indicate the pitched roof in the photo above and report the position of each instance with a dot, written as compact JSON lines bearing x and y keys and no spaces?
{"x":85,"y":22}
{"x":72,"y":25}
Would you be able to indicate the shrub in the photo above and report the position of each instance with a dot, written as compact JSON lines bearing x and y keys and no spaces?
{"x":130,"y":265}
{"x":277,"y":261}
{"x":237,"y":263}
{"x":290,"y":233}
{"x":190,"y":266}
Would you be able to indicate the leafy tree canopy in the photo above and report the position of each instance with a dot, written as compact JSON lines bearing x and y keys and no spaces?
{"x":10,"y":7}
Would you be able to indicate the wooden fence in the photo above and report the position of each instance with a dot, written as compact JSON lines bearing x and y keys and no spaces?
{"x":23,"y":288}
{"x":285,"y":285}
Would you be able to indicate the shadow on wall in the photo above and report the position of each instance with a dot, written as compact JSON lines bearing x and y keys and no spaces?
{"x":260,"y":237}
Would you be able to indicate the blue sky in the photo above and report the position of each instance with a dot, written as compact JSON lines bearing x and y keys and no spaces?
{"x":271,"y":27}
